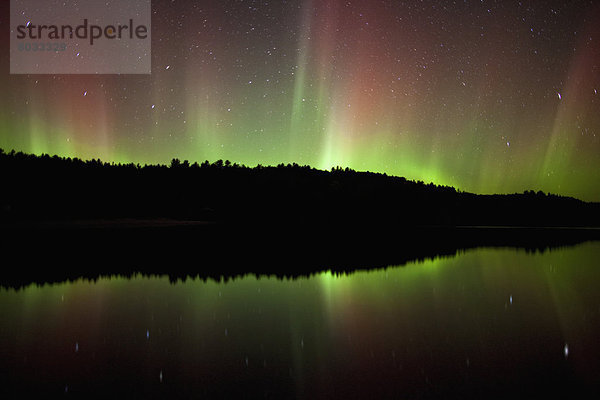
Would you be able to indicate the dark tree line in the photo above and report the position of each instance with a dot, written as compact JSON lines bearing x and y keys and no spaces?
{"x":54,"y":188}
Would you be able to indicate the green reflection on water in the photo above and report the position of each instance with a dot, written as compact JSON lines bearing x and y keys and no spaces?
{"x":411,"y":329}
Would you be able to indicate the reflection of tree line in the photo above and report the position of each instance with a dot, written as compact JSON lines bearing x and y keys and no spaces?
{"x":224,"y":251}
{"x":51,"y":188}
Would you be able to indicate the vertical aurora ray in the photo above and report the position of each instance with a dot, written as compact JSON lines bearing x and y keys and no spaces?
{"x":302,"y":67}
{"x":568,"y":158}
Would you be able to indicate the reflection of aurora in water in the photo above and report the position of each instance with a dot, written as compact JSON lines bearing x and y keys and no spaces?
{"x":485,"y":320}
{"x":485,"y":97}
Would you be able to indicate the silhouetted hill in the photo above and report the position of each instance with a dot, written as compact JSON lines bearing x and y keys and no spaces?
{"x":44,"y":188}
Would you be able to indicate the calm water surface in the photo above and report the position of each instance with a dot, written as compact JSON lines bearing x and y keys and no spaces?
{"x":486,"y":323}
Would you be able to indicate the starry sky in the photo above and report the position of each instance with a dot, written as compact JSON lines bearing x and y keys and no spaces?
{"x":487,"y":96}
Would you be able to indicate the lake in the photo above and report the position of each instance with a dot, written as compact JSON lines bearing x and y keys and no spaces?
{"x":488,"y":322}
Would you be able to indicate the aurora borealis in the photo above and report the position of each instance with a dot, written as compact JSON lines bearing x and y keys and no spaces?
{"x":487,"y":96}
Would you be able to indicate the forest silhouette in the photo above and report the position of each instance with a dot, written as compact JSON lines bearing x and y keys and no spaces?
{"x":51,"y":188}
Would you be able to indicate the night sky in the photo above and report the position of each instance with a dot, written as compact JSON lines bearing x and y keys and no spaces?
{"x":487,"y":96}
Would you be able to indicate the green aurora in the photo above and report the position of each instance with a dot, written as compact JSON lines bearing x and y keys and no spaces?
{"x":489,"y":98}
